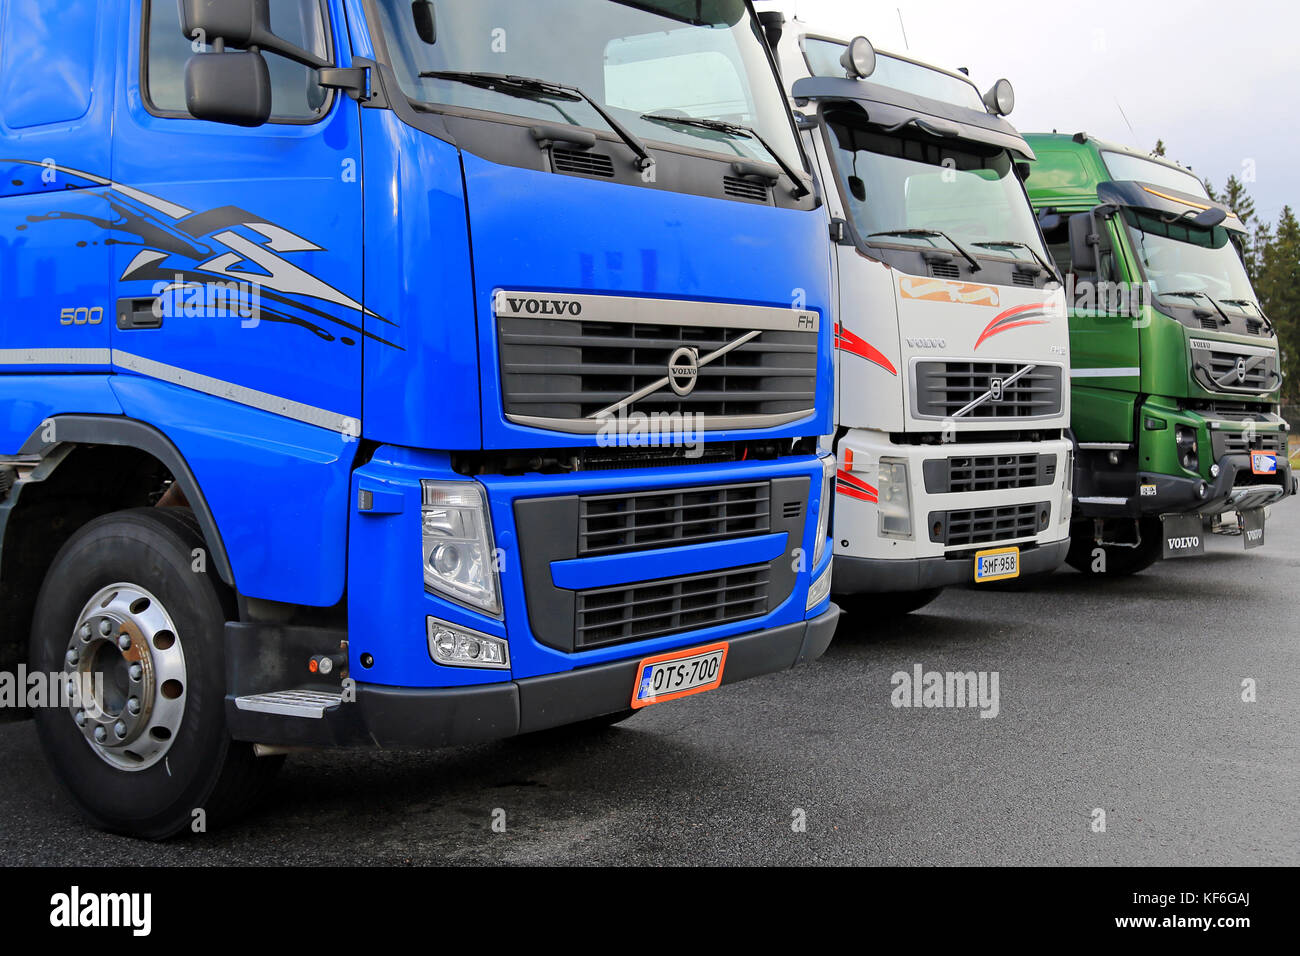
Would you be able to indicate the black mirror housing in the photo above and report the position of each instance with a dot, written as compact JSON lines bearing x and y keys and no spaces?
{"x":1083,"y":250}
{"x":241,"y":23}
{"x":232,"y":88}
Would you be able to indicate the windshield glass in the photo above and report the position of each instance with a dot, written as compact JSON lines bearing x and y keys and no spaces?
{"x":698,"y":58}
{"x":1179,"y":257}
{"x":1124,"y":167}
{"x":966,"y":190}
{"x":823,"y":58}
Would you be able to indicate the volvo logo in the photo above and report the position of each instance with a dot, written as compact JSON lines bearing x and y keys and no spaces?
{"x":996,"y":389}
{"x":1241,"y":370}
{"x":684,"y":370}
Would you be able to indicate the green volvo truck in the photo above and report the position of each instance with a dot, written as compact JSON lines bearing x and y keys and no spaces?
{"x":1176,"y":372}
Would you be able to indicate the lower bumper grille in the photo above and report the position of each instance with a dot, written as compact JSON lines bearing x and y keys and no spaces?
{"x":669,"y":606}
{"x":1237,"y":443}
{"x":976,"y":526}
{"x":616,"y":524}
{"x":988,"y":473}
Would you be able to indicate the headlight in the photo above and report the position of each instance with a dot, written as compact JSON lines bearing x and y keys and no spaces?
{"x":459,"y":562}
{"x":1185,"y":440}
{"x":824,"y":508}
{"x":1067,"y":487}
{"x":458,"y":646}
{"x":894,"y":499}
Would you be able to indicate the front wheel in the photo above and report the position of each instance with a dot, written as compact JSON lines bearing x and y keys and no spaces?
{"x":139,"y":739}
{"x":1089,"y":556}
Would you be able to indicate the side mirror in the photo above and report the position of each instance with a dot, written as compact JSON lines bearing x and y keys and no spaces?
{"x":1083,"y":243}
{"x":1049,"y":220}
{"x":240,"y":24}
{"x":426,"y":21}
{"x":233,"y":88}
{"x":1022,"y":170}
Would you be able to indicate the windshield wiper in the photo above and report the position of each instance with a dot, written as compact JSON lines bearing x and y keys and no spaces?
{"x":974,"y":266}
{"x":532,"y":87}
{"x":1197,"y":294}
{"x":735,"y":129}
{"x":1268,"y":323}
{"x":1021,"y":245}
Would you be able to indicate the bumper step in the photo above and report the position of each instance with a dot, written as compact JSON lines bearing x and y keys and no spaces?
{"x":291,"y":703}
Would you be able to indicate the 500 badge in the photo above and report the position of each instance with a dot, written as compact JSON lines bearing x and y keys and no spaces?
{"x":81,"y":316}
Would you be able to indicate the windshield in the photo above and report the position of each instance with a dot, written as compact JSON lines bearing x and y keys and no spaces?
{"x":1126,"y":168}
{"x":1181,"y":259}
{"x":694,"y":58}
{"x":967,"y":191}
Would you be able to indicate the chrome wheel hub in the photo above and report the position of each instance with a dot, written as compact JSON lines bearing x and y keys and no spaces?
{"x":126,"y":660}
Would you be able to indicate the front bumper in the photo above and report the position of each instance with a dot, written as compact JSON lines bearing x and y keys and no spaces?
{"x":876,"y":575}
{"x":421,"y":717}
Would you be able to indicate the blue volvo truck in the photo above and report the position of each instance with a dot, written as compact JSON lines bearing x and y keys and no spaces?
{"x":397,"y":374}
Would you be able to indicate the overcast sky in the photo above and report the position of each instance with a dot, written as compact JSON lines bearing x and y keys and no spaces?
{"x":1218,"y":82}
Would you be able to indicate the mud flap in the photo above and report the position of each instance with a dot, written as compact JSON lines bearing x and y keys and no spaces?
{"x":1252,"y":528}
{"x":1184,"y":536}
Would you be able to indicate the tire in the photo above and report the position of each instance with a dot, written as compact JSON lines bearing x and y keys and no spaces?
{"x":129,"y":577}
{"x":886,"y":606}
{"x":1119,"y":561}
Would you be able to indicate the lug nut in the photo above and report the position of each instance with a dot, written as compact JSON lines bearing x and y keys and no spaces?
{"x":119,"y":728}
{"x":100,"y":735}
{"x":72,"y":658}
{"x":133,"y":706}
{"x":136,"y":672}
{"x":124,"y":642}
{"x":105,"y":628}
{"x":79,"y":718}
{"x":85,"y":633}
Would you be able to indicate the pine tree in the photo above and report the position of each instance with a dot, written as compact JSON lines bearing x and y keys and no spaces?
{"x":1279,"y":290}
{"x":1236,"y":198}
{"x":1160,"y":148}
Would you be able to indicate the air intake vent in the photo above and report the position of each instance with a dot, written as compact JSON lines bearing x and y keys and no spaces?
{"x":792,"y":509}
{"x":617,"y":524}
{"x":1209,"y":323}
{"x":745,"y":189}
{"x":1254,"y":328}
{"x":1023,"y":278}
{"x":961,"y":529}
{"x":582,"y":163}
{"x":944,"y":270}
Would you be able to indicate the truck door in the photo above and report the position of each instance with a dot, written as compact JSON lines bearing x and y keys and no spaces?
{"x":237,"y":252}
{"x":57,"y":63}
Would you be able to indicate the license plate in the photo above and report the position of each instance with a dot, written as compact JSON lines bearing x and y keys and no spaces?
{"x":666,"y":677}
{"x":1263,"y":463}
{"x":1252,"y":528}
{"x":997,"y":564}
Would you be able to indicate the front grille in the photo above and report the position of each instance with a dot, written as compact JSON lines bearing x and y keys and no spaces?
{"x":566,"y":372}
{"x":988,"y":473}
{"x":948,"y":389}
{"x":1236,"y":443}
{"x":615,"y":524}
{"x":669,"y":606}
{"x":582,"y":163}
{"x":747,"y":189}
{"x":1222,"y":368}
{"x":976,"y":526}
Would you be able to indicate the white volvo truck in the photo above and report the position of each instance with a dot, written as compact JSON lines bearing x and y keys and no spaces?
{"x":952,"y":340}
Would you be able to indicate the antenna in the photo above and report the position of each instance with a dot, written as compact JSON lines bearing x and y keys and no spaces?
{"x":1125,"y":115}
{"x":906,"y":45}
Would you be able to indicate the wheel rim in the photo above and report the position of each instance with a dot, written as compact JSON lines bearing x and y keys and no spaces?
{"x":129,"y":667}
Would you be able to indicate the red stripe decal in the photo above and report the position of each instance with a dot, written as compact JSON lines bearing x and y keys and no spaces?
{"x":851,"y":492}
{"x":1001,"y":324}
{"x":846,"y":340}
{"x":856,"y":482}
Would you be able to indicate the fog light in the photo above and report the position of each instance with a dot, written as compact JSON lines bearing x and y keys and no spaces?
{"x":457,"y":646}
{"x":894,"y":499}
{"x":820,"y":589}
{"x":1214,"y":471}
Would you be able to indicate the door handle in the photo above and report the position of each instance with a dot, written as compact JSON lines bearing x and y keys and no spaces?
{"x":138,"y":314}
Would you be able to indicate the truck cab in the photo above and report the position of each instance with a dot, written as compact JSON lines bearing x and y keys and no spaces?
{"x":953,"y":463}
{"x":1177,"y":375}
{"x":397,"y":374}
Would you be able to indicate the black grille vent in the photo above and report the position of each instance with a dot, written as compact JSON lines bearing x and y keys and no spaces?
{"x":669,"y":606}
{"x":945,"y":388}
{"x":1254,"y":328}
{"x":959,"y":529}
{"x":746,"y":189}
{"x":1023,"y":279}
{"x":944,"y":270}
{"x":615,"y":524}
{"x":582,"y":163}
{"x":564,"y":371}
{"x":1235,"y":443}
{"x":992,"y":473}
{"x":792,"y":509}
{"x":1209,"y":323}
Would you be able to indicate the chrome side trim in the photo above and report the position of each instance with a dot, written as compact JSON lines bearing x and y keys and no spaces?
{"x":1105,"y":372}
{"x":513,"y":304}
{"x":56,"y":356}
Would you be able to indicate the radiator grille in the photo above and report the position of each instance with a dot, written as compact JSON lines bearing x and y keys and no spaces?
{"x":567,"y":371}
{"x":582,"y":163}
{"x":1235,"y":443}
{"x":976,"y":526}
{"x":946,"y":389}
{"x":992,"y":473}
{"x":1221,"y":368}
{"x":669,"y":606}
{"x":613,"y":524}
